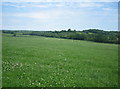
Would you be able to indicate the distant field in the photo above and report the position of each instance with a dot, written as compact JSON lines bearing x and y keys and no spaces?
{"x":34,"y":61}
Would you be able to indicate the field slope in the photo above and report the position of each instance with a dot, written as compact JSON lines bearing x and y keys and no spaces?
{"x":34,"y":61}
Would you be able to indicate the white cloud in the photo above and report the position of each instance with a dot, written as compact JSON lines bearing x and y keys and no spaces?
{"x":60,"y":16}
{"x":18,"y":5}
{"x":31,"y":15}
{"x":54,"y":4}
{"x":38,"y":15}
{"x":60,"y":0}
{"x":90,"y":4}
{"x":34,"y":4}
{"x":21,"y":5}
{"x":43,"y":15}
{"x":108,"y":9}
{"x":40,"y":6}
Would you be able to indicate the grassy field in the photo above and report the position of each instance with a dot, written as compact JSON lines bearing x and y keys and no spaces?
{"x":34,"y":61}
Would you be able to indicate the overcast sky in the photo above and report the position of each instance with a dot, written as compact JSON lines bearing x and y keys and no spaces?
{"x":54,"y":15}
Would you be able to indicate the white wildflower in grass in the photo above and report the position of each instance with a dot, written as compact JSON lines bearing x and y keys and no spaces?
{"x":64,"y":86}
{"x":65,"y":59}
{"x":42,"y":79}
{"x":17,"y":64}
{"x":50,"y":85}
{"x":32,"y":83}
{"x":74,"y":86}
{"x":39,"y":83}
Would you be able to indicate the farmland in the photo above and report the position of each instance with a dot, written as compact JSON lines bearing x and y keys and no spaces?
{"x":35,"y":61}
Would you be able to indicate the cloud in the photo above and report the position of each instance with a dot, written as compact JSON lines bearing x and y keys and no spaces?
{"x":34,"y":4}
{"x":68,"y":14}
{"x":43,"y":15}
{"x":60,"y":0}
{"x":18,"y":5}
{"x":108,"y":9}
{"x":36,"y":15}
{"x":52,"y":4}
{"x":90,"y":4}
{"x":14,"y":4}
{"x":25,"y":4}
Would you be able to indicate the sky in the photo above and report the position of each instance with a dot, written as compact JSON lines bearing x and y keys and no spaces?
{"x":59,"y":15}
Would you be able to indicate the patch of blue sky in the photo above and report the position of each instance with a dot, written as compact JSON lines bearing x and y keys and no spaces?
{"x":60,"y":15}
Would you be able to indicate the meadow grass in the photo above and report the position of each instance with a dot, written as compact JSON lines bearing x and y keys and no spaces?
{"x":34,"y":61}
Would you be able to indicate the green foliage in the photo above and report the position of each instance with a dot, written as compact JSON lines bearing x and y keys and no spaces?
{"x":89,"y":35}
{"x":100,"y":38}
{"x":14,"y":34}
{"x":69,"y":30}
{"x":93,"y":31}
{"x":35,"y":61}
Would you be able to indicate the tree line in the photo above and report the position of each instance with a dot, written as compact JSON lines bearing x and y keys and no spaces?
{"x":95,"y":35}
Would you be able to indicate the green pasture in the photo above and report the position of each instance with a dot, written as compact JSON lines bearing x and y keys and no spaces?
{"x":35,"y":61}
